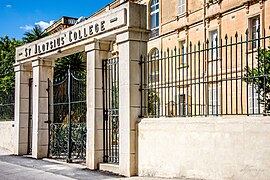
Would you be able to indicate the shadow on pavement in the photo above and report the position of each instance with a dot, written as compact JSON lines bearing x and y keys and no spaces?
{"x":72,"y":170}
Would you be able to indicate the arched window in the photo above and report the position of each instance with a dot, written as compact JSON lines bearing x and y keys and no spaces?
{"x":153,"y":92}
{"x":154,"y":66}
{"x":154,"y":18}
{"x":154,"y":53}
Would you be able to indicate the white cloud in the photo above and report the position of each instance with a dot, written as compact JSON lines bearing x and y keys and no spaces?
{"x":51,"y":22}
{"x":27,"y":27}
{"x":43,"y":24}
{"x":8,"y":6}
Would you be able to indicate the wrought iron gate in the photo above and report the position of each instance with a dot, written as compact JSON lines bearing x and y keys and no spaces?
{"x":110,"y":84}
{"x":68,"y":113}
{"x":30,"y":119}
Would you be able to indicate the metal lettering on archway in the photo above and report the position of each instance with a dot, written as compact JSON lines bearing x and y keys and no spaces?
{"x":68,"y":127}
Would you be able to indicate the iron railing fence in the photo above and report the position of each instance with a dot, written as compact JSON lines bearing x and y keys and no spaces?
{"x":227,"y":76}
{"x":7,"y":106}
{"x":110,"y":87}
{"x":68,"y":115}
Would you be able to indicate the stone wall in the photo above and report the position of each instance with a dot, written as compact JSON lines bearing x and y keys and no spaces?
{"x":7,"y":134}
{"x":231,"y":147}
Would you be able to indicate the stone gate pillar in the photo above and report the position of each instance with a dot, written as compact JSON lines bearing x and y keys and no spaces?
{"x":131,"y":45}
{"x":22,"y":75}
{"x":96,"y":52}
{"x":42,"y":71}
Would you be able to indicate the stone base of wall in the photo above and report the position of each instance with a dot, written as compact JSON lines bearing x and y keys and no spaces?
{"x":231,"y":147}
{"x":7,"y":135}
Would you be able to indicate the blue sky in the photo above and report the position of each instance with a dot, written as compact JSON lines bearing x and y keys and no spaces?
{"x":18,"y":16}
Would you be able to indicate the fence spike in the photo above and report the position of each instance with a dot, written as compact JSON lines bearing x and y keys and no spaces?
{"x":247,"y":32}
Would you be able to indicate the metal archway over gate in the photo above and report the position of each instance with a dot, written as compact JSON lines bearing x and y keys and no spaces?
{"x":67,"y":124}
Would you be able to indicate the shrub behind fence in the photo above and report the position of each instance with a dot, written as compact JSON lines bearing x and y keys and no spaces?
{"x":7,"y":106}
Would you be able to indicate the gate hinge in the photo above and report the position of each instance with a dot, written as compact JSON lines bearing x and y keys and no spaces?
{"x":47,"y":121}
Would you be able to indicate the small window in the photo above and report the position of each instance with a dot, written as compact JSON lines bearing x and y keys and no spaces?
{"x":254,"y":101}
{"x":213,"y":44}
{"x":182,"y":105}
{"x":183,"y":54}
{"x":181,"y":6}
{"x":214,"y":101}
{"x":154,"y":18}
{"x":154,"y":66}
{"x":254,"y":31}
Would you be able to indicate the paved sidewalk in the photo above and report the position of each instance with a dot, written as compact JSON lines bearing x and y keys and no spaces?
{"x":23,"y":168}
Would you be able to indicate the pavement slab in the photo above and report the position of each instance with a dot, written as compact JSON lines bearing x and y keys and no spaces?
{"x":25,"y":168}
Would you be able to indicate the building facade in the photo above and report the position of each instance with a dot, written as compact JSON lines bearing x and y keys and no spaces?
{"x":170,"y":88}
{"x":208,"y":25}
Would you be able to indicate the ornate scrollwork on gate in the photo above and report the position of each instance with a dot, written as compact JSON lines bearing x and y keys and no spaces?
{"x":68,"y":127}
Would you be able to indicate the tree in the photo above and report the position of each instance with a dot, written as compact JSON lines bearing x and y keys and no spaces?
{"x":74,"y":61}
{"x":260,"y":77}
{"x":35,"y":34}
{"x":7,"y":59}
{"x":7,"y":76}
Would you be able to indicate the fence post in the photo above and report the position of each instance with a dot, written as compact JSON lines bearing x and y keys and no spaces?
{"x":69,"y":119}
{"x":141,"y":85}
{"x":49,"y":117}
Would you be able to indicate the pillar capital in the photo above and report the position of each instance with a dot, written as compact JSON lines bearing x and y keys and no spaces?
{"x":132,"y":34}
{"x":22,"y":67}
{"x":42,"y":62}
{"x":98,"y":45}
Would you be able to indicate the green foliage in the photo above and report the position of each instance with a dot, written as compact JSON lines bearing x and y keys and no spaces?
{"x":153,"y":102}
{"x":7,"y":77}
{"x":75,"y":61}
{"x":7,"y":59}
{"x":35,"y":34}
{"x":260,"y":77}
